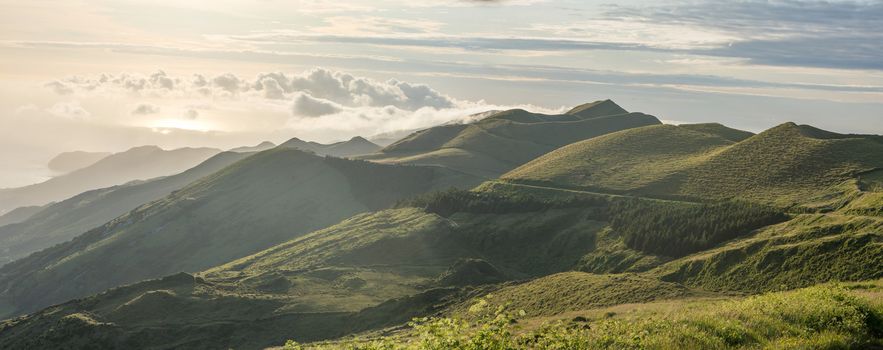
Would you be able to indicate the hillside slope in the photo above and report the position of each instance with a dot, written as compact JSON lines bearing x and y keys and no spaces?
{"x":19,"y":214}
{"x":139,"y":163}
{"x":504,"y":140}
{"x":787,"y":165}
{"x":381,"y":269}
{"x":260,"y":201}
{"x":59,"y":222}
{"x":599,"y":223}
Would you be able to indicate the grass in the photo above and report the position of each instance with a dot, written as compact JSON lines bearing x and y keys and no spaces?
{"x":624,"y":161}
{"x":785,"y":166}
{"x":821,"y":317}
{"x":251,"y":205}
{"x":810,"y":249}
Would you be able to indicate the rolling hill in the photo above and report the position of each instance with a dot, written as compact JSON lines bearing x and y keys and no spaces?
{"x":62,"y":221}
{"x":70,"y":161}
{"x":139,"y":163}
{"x":352,"y":147}
{"x":263,"y":146}
{"x":380,"y":269}
{"x":504,"y":140}
{"x":251,"y":205}
{"x":18,"y":215}
{"x":603,"y":226}
{"x":789,"y":165}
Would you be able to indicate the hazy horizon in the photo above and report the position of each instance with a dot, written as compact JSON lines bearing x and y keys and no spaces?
{"x":111,"y":75}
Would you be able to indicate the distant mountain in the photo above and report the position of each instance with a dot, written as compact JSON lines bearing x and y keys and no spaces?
{"x":251,"y":205}
{"x":139,"y":163}
{"x":70,"y":161}
{"x":61,"y":221}
{"x":353,"y":147}
{"x":504,"y":140}
{"x":18,"y":215}
{"x":263,"y":146}
{"x":787,"y":165}
{"x":388,"y":138}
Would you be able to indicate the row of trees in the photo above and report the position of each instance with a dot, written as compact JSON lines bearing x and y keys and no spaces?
{"x":454,"y":200}
{"x":675,"y":229}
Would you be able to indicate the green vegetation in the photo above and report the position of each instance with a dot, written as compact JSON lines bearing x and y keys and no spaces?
{"x":505,"y":140}
{"x":676,"y":230}
{"x":788,"y":165}
{"x":822,"y":317}
{"x":810,"y":249}
{"x":446,"y":203}
{"x":251,"y":205}
{"x":645,"y":238}
{"x":724,"y":132}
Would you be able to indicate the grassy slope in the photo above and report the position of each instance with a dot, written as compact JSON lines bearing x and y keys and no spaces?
{"x":59,"y":222}
{"x":787,"y":165}
{"x":500,"y":142}
{"x":624,"y":161}
{"x":314,"y":286}
{"x":251,"y":205}
{"x":808,"y":249}
{"x":820,"y":317}
{"x":372,"y":270}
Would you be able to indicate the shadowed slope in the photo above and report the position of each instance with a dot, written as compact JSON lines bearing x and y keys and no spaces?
{"x":251,"y":205}
{"x":59,"y":222}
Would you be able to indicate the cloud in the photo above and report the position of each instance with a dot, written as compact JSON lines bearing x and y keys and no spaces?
{"x":306,"y":105}
{"x":825,"y":34}
{"x":227,"y":82}
{"x":69,"y":110}
{"x":333,"y":86}
{"x":145,"y":109}
{"x":191,"y":114}
{"x":60,"y":88}
{"x":349,"y":90}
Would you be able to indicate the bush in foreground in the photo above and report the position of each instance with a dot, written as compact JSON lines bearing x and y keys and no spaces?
{"x":821,"y":317}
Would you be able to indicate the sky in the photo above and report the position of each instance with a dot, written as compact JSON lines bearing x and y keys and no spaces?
{"x":110,"y":75}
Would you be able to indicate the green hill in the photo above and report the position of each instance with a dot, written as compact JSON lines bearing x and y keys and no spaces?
{"x":139,"y":163}
{"x":255,"y":203}
{"x":437,"y":251}
{"x":352,"y":147}
{"x":59,"y":222}
{"x":786,"y":165}
{"x":504,"y":140}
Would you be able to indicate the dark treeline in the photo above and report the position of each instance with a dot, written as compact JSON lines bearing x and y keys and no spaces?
{"x":451,"y":201}
{"x":672,"y":229}
{"x":677,"y":230}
